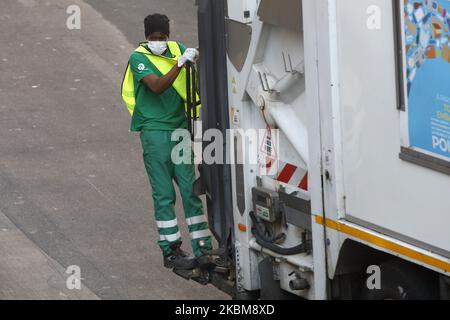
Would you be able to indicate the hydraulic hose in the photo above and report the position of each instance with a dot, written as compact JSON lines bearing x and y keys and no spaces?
{"x":266,"y":243}
{"x":272,"y":239}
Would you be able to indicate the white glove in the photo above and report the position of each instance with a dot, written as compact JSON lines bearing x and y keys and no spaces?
{"x":190,"y":54}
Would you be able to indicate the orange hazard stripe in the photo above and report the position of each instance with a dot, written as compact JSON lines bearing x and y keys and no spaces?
{"x":383,"y":243}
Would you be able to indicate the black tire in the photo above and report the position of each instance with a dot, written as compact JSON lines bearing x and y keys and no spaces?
{"x":401,"y":280}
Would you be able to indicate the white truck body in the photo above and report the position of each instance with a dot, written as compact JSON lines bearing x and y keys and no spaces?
{"x":336,"y":107}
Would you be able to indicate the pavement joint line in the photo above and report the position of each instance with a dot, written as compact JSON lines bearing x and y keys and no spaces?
{"x":101,"y":193}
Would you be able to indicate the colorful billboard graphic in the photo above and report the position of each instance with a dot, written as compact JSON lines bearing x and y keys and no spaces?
{"x":427,"y":55}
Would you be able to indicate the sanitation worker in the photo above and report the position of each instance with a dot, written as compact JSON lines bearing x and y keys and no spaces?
{"x":154,"y":90}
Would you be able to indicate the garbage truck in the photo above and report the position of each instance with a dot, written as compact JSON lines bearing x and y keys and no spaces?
{"x":345,"y":193}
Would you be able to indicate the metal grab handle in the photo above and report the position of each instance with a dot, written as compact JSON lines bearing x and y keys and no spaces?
{"x":291,"y":69}
{"x":191,"y":97}
{"x":265,"y":84}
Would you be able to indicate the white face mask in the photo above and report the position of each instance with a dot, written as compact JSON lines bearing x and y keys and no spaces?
{"x":157,"y":47}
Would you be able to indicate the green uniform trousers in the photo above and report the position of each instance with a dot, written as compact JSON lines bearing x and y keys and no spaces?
{"x":157,"y":147}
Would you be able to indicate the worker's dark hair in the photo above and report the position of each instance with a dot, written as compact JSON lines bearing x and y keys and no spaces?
{"x":156,"y":23}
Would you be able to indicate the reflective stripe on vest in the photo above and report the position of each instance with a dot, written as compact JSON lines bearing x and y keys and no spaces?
{"x":164,"y":65}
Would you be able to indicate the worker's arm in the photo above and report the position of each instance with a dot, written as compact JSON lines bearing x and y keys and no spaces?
{"x":145,"y":72}
{"x":160,"y":84}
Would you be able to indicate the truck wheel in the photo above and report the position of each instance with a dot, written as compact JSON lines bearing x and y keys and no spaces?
{"x":401,"y":280}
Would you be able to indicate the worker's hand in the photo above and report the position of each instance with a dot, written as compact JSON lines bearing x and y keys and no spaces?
{"x":190,"y":54}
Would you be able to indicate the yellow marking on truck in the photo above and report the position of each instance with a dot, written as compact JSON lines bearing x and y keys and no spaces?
{"x":384,"y":243}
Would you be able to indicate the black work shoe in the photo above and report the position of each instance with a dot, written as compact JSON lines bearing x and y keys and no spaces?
{"x":178,"y":259}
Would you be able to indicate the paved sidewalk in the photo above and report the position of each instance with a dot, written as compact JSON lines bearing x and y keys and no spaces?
{"x":26,"y":272}
{"x":72,"y":177}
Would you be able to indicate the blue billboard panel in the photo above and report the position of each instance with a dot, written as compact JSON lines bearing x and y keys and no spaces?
{"x":427,"y":55}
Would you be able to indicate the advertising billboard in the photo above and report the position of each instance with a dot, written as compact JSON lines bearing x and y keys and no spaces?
{"x":426,"y":78}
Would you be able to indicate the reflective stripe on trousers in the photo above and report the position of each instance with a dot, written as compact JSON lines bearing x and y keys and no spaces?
{"x":196,"y":220}
{"x":170,"y":237}
{"x":167,"y":224}
{"x":200,"y":234}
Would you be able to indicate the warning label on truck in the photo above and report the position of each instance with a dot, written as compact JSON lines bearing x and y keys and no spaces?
{"x":427,"y":78}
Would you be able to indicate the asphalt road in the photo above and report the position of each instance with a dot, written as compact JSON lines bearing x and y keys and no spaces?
{"x":72,"y":178}
{"x":129,"y":15}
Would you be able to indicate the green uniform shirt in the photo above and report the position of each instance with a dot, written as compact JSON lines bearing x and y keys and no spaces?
{"x":154,"y":111}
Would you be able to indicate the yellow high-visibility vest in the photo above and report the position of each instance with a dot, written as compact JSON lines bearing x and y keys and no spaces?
{"x":164,"y":65}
